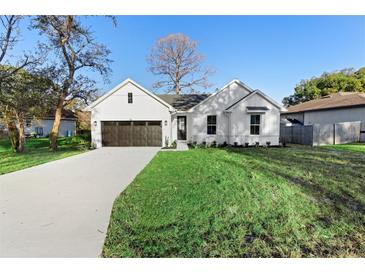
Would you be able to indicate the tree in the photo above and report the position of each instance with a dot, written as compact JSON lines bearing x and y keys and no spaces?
{"x":8,"y":38}
{"x":9,"y":35}
{"x":176,"y":60}
{"x":346,"y":80}
{"x":83,"y":118}
{"x":75,"y":52}
{"x":23,"y":96}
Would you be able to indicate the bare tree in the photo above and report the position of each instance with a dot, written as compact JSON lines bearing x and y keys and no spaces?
{"x":9,"y":36}
{"x":176,"y":60}
{"x":75,"y":51}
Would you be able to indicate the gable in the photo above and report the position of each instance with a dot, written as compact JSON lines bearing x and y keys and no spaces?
{"x":116,"y":107}
{"x":254,"y":104}
{"x":265,"y":101}
{"x":223,"y":98}
{"x":122,"y":90}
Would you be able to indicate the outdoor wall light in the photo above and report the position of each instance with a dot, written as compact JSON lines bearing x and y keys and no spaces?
{"x":95,"y":123}
{"x":165,"y":122}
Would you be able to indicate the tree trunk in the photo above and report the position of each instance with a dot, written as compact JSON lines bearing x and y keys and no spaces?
{"x":21,"y":135}
{"x":13,"y":135}
{"x":56,"y":124}
{"x":177,"y":88}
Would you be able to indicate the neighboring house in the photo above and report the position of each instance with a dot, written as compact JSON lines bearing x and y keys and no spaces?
{"x":42,"y":127}
{"x":331,"y":109}
{"x":130,"y":115}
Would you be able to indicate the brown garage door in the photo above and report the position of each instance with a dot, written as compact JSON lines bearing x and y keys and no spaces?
{"x":136,"y":133}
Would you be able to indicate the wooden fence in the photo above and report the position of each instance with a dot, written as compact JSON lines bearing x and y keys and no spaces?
{"x":321,"y":134}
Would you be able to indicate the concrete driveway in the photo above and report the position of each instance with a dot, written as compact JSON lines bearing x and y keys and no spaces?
{"x":62,"y":208}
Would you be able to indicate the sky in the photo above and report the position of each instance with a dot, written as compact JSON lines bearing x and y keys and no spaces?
{"x":270,"y":53}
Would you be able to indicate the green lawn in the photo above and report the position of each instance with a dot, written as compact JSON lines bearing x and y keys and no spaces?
{"x":255,"y":202}
{"x":358,"y":147}
{"x":37,"y":152}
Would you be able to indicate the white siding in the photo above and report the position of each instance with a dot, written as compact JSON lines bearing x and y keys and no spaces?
{"x":174,"y":127}
{"x":116,"y":108}
{"x":240,"y":122}
{"x":197,"y":120}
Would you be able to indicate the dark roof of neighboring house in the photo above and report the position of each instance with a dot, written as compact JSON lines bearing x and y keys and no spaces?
{"x":65,"y":114}
{"x":334,"y":100}
{"x":184,"y":101}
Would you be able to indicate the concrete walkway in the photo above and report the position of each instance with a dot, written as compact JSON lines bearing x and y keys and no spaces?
{"x":62,"y":208}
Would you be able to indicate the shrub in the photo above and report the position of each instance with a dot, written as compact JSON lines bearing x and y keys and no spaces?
{"x":194,"y":145}
{"x":224,"y":144}
{"x":83,"y":140}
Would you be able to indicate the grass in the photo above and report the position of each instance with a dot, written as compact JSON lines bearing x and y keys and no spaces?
{"x":357,"y":147}
{"x":37,"y":152}
{"x":255,"y":202}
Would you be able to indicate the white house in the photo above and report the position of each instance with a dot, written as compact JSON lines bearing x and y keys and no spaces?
{"x":130,"y":115}
{"x":42,"y":127}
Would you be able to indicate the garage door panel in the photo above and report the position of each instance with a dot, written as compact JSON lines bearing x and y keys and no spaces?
{"x":139,"y":134}
{"x":136,"y":133}
{"x":154,"y":133}
{"x":109,"y":134}
{"x":124,"y":134}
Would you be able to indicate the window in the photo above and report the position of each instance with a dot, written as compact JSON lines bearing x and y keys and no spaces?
{"x":211,"y":124}
{"x":28,"y":122}
{"x":130,"y":97}
{"x":255,"y":125}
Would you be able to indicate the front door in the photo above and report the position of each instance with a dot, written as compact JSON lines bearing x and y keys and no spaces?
{"x":181,"y":127}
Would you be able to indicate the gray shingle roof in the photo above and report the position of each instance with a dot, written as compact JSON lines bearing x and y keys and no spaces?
{"x":184,"y":101}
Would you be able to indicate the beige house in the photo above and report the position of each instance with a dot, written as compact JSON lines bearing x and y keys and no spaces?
{"x":331,"y":109}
